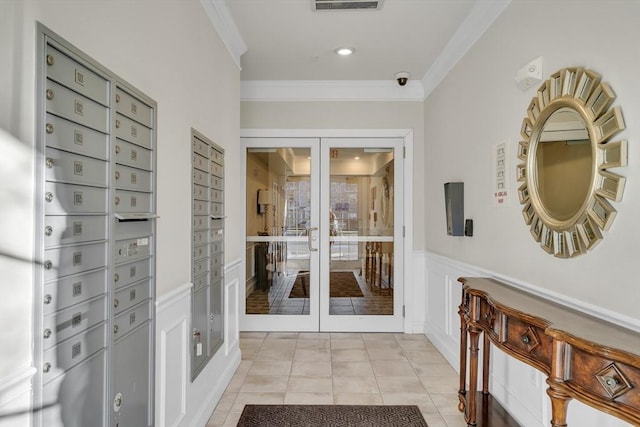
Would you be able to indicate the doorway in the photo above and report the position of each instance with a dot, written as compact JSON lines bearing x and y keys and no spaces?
{"x":324,"y":244}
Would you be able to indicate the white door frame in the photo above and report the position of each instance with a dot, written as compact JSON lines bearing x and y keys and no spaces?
{"x":407,"y":135}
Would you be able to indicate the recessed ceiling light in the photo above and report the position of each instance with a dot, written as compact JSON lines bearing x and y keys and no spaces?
{"x":344,"y":51}
{"x":356,"y":158}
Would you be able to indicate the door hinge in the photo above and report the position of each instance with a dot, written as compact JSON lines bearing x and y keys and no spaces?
{"x":403,"y":311}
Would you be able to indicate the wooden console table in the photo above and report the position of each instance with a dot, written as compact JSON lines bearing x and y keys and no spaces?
{"x":584,"y":358}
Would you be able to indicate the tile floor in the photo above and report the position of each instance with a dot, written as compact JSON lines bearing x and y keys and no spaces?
{"x":341,"y":368}
{"x":276,"y":300}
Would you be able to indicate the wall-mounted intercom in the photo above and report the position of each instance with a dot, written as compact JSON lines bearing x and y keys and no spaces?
{"x":454,"y":205}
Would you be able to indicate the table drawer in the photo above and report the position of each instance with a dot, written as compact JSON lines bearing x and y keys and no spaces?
{"x":529,"y":340}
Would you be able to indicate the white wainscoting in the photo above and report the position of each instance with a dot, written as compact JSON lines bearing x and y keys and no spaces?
{"x":180,"y":402}
{"x":520,"y":388}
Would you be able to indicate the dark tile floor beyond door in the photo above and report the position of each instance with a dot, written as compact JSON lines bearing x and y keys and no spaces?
{"x":276,"y":300}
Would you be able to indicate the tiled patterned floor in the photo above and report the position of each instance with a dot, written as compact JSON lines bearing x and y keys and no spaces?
{"x":277,"y":301}
{"x":341,"y":368}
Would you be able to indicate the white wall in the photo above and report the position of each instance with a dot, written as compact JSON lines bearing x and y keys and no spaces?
{"x":479,"y":105}
{"x":170,"y":51}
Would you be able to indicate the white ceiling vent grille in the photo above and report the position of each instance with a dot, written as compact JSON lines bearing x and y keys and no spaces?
{"x":346,"y":5}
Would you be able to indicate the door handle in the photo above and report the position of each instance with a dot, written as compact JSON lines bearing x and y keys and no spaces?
{"x":310,"y":238}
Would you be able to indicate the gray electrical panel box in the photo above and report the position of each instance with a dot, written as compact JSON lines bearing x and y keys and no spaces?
{"x":454,"y":206}
{"x":207,"y":257}
{"x":96,"y":203}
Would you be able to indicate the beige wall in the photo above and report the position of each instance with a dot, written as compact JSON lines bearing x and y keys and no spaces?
{"x":170,"y":51}
{"x":349,"y":115}
{"x":478,"y":105}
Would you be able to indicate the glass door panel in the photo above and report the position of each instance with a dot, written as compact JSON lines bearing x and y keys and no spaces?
{"x":281,"y":291}
{"x":360,"y":264}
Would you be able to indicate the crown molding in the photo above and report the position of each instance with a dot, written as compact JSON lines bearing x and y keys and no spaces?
{"x":225,"y":26}
{"x":480,"y":18}
{"x":330,"y":90}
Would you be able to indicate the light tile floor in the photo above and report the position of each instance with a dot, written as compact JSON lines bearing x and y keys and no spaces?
{"x":341,"y":368}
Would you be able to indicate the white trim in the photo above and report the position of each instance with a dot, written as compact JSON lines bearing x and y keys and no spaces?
{"x":407,"y":135}
{"x":181,"y":326}
{"x":584,"y":307}
{"x":482,"y":15}
{"x":330,"y":90}
{"x":169,"y":299}
{"x":218,"y":13}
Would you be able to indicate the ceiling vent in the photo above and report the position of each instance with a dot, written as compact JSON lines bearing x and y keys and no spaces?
{"x":346,"y":5}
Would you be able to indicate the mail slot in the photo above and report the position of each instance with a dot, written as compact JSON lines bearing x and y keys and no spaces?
{"x":61,"y":166}
{"x":72,"y":351}
{"x":66,"y":323}
{"x":126,"y":298}
{"x":72,"y":137}
{"x":127,"y":178}
{"x":132,"y":155}
{"x":72,"y":290}
{"x":75,"y":107}
{"x":134,"y":132}
{"x":64,"y":230}
{"x":132,"y":201}
{"x":60,"y":262}
{"x":131,"y":272}
{"x":73,"y":75}
{"x":133,"y":108}
{"x":130,"y":319}
{"x":62,"y":199}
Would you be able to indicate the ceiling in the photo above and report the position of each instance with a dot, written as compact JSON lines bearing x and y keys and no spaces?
{"x":288,"y":41}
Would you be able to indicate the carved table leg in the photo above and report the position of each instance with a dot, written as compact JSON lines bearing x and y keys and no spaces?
{"x":559,"y":403}
{"x":462,"y":310}
{"x":474,"y":338}
{"x":485,"y":363}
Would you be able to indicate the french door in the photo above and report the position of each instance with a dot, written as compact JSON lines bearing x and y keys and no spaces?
{"x":323,"y":234}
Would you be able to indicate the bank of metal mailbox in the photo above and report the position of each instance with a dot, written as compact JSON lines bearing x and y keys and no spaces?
{"x":207,"y":257}
{"x":96,"y":207}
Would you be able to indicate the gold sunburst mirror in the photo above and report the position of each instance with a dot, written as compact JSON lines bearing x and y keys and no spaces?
{"x":566,"y":152}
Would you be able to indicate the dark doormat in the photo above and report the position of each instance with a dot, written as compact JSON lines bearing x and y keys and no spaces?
{"x":343,"y":284}
{"x":331,"y":415}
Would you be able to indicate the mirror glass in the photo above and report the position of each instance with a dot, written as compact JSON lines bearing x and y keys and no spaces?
{"x":564,"y":164}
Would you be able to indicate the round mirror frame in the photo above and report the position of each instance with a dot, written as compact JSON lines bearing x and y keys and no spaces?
{"x":582,"y":91}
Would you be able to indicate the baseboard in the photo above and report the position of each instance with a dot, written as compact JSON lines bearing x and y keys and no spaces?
{"x":209,"y":404}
